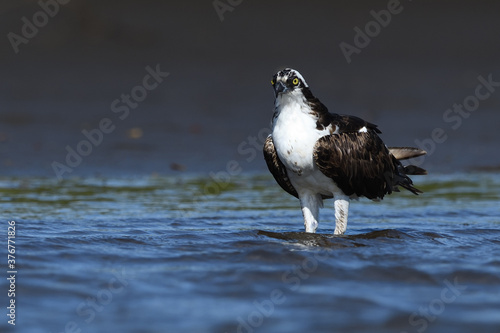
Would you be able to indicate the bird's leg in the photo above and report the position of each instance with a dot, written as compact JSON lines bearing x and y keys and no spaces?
{"x":310,"y":204}
{"x":341,"y":211}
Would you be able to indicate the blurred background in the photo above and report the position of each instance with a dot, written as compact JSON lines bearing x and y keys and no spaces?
{"x":217,"y":98}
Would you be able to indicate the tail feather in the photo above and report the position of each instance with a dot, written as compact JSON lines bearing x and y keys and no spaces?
{"x":405,"y":182}
{"x":410,"y":188}
{"x":404,"y":153}
{"x":401,"y":177}
{"x":414,"y":170}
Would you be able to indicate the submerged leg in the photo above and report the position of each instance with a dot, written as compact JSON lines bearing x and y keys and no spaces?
{"x":341,"y":211}
{"x":310,"y":204}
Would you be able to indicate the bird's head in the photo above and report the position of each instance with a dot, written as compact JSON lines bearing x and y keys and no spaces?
{"x":288,"y":81}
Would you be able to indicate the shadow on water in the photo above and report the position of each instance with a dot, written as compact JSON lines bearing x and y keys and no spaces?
{"x":334,"y":241}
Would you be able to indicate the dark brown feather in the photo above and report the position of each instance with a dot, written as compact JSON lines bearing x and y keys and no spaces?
{"x":277,"y":168}
{"x":414,"y":170}
{"x":360,"y":164}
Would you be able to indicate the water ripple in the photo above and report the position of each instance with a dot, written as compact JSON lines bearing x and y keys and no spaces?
{"x":221,"y":258}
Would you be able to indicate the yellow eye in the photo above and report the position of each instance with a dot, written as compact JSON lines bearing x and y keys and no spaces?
{"x":295,"y":81}
{"x":272,"y":82}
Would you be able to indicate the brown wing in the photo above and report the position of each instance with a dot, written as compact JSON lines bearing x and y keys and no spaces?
{"x":277,"y":168}
{"x":360,"y":164}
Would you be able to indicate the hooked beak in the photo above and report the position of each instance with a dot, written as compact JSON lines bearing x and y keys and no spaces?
{"x":280,"y":88}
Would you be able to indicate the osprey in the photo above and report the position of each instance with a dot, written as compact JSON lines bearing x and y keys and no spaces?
{"x":315,"y":155}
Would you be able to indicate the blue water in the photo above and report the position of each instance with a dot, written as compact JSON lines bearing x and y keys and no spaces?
{"x":185,"y":254}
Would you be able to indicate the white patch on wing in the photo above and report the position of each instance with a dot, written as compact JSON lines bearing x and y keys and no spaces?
{"x":363,"y":129}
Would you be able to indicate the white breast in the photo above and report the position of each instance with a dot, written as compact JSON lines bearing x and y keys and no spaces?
{"x":295,"y":134}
